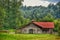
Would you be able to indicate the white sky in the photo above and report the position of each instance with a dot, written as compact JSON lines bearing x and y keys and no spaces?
{"x":36,"y":3}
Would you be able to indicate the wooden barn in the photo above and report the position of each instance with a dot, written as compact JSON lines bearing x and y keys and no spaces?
{"x":38,"y":28}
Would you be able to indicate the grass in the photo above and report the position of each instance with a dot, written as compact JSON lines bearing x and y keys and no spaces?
{"x":28,"y":37}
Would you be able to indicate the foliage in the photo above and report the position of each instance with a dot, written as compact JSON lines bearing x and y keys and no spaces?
{"x":2,"y":15}
{"x":48,"y":18}
{"x":37,"y":12}
{"x":13,"y":18}
{"x":59,"y":27}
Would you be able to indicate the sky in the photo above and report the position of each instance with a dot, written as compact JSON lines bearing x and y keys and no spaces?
{"x":39,"y":2}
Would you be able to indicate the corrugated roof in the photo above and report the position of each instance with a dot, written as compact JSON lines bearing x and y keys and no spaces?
{"x":45,"y":24}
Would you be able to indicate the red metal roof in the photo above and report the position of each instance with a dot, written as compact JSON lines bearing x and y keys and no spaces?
{"x":45,"y":24}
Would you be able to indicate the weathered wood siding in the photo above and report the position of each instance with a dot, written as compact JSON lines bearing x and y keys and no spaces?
{"x":31,"y":26}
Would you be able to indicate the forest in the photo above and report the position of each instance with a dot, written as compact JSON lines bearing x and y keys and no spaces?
{"x":14,"y":15}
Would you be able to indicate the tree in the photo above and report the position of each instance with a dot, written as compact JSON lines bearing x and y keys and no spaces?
{"x":12,"y":12}
{"x":2,"y":15}
{"x":58,"y":4}
{"x":58,"y":10}
{"x":59,"y":27}
{"x":48,"y":18}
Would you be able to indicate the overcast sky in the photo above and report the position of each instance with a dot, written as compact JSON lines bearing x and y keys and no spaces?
{"x":39,"y":2}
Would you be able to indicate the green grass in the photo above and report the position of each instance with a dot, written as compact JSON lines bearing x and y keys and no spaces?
{"x":28,"y":37}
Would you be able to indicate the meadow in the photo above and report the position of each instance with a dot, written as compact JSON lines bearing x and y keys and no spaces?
{"x":28,"y":37}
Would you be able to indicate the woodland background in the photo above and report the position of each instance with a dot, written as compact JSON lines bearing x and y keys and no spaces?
{"x":14,"y":15}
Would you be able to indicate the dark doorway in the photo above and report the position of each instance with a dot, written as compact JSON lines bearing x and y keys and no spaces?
{"x":31,"y":31}
{"x":45,"y":30}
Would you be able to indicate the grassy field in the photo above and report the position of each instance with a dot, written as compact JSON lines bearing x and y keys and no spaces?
{"x":28,"y":37}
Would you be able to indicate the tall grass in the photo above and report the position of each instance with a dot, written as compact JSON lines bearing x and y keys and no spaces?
{"x":28,"y":37}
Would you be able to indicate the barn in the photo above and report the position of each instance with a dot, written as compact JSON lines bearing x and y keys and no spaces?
{"x":38,"y":28}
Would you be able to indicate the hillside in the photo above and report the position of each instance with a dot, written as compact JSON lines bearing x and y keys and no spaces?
{"x":40,"y":11}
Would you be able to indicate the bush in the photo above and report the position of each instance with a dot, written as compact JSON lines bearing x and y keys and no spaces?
{"x":59,"y":28}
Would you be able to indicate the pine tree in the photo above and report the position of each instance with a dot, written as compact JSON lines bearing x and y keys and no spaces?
{"x":12,"y":12}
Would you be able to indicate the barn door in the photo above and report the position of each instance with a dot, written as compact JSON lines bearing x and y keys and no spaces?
{"x":31,"y":31}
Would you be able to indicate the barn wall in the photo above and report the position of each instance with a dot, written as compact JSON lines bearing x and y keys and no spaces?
{"x":47,"y":30}
{"x":31,"y":26}
{"x":50,"y":31}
